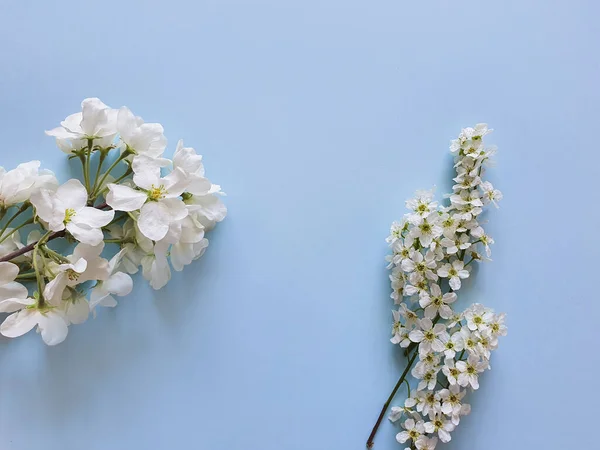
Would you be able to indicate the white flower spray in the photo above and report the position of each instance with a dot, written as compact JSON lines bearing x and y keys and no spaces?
{"x":157,"y":219}
{"x":433,"y":249}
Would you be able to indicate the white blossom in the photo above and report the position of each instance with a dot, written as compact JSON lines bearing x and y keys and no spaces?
{"x":413,"y":431}
{"x":157,"y":199}
{"x":117,"y":283}
{"x":428,"y":335}
{"x":67,"y":208}
{"x":441,"y":425}
{"x":455,"y":272}
{"x":96,"y":121}
{"x":470,"y":370}
{"x":426,"y":443}
{"x":17,"y":185}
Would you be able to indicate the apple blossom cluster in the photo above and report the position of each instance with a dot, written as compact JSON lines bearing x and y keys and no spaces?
{"x":155,"y":210}
{"x":433,"y":249}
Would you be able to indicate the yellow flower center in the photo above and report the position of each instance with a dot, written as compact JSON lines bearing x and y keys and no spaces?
{"x":69,"y":213}
{"x":72,"y":275}
{"x":156,"y":193}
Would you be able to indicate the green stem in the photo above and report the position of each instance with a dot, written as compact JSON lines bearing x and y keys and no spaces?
{"x":114,"y":241}
{"x":407,"y":387}
{"x":389,"y":400}
{"x":21,"y":210}
{"x":14,"y":230}
{"x":55,"y":256}
{"x":26,"y":276}
{"x":38,"y":275}
{"x":123,"y":155}
{"x":97,"y":177}
{"x":86,"y":180}
{"x":88,"y":158}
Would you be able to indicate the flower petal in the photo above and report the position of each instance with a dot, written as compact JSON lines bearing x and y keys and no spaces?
{"x":19,"y":323}
{"x":8,"y":272}
{"x":85,"y":234}
{"x":124,"y":198}
{"x":119,"y":284}
{"x":13,"y":290}
{"x":154,"y":220}
{"x":93,"y":217}
{"x":14,"y":304}
{"x":71,"y":195}
{"x":53,"y":328}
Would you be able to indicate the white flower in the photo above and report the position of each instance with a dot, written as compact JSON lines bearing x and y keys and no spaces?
{"x":469,"y":339}
{"x":497,"y":326}
{"x":137,"y":245}
{"x":455,"y":272}
{"x":206,"y":207}
{"x":117,"y":283}
{"x":10,"y":242}
{"x":418,"y":285}
{"x":435,"y":303}
{"x":427,"y":374}
{"x":429,"y":335}
{"x":190,"y":244}
{"x":486,"y":240}
{"x":452,"y":344}
{"x":451,"y":371}
{"x":449,"y":224}
{"x":95,"y":121}
{"x":17,"y":185}
{"x":426,"y":228}
{"x":66,"y":208}
{"x":85,"y":265}
{"x":398,"y":279}
{"x":490,"y":194}
{"x":51,"y":322}
{"x":451,"y":400}
{"x":469,"y":371}
{"x":478,"y":317}
{"x":422,"y":204}
{"x":420,"y":264}
{"x":9,"y":288}
{"x":485,"y":344}
{"x":402,"y":249}
{"x":396,"y":231}
{"x":395,"y":413}
{"x":75,"y":307}
{"x":425,"y":443}
{"x":413,"y":430}
{"x":141,"y":138}
{"x":158,"y":199}
{"x":410,"y":317}
{"x":155,"y":267}
{"x":456,"y":244}
{"x":440,"y":425}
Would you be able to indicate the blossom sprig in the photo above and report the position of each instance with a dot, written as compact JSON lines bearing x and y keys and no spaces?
{"x":156,"y":211}
{"x":433,"y":249}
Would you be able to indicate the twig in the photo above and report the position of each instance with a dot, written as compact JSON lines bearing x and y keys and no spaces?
{"x":30,"y":247}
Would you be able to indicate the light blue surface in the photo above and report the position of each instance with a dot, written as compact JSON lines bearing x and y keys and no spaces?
{"x":318,"y":118}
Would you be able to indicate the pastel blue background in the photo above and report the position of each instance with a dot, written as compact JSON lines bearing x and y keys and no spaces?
{"x":318,"y":118}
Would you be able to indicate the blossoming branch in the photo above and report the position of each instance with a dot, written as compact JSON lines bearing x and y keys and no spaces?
{"x":156,"y":210}
{"x":434,"y":248}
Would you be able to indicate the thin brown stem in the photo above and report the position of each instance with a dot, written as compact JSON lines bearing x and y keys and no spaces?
{"x":51,"y":237}
{"x":31,"y":246}
{"x":389,"y":400}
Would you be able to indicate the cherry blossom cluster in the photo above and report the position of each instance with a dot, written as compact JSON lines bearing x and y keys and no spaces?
{"x":434,"y":247}
{"x":152,"y":211}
